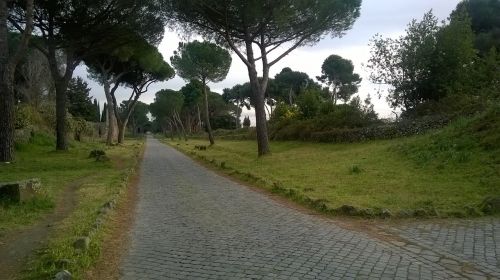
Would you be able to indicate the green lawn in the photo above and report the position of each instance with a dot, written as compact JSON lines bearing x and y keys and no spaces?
{"x":400,"y":174}
{"x":102,"y":180}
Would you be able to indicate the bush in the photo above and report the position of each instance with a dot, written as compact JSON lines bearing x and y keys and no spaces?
{"x":245,"y":133}
{"x":284,"y":113}
{"x":343,"y":117}
{"x":387,"y":131}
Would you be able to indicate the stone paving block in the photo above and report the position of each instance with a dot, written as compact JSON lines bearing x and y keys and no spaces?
{"x":193,"y":224}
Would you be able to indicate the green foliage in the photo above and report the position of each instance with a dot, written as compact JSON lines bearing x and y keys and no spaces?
{"x":400,"y":129}
{"x":79,"y":100}
{"x":428,"y":64}
{"x":404,"y":63}
{"x":302,"y":22}
{"x":288,"y":85}
{"x":454,"y":58}
{"x":193,"y":93}
{"x":309,"y":104}
{"x":166,"y":104}
{"x":338,"y":73}
{"x":485,"y":19}
{"x":486,"y":76}
{"x":354,"y":169}
{"x":22,"y":117}
{"x":143,"y":67}
{"x":312,"y":117}
{"x":95,"y":184}
{"x":80,"y":128}
{"x":284,"y":113}
{"x":219,"y":109}
{"x":239,"y":95}
{"x":139,"y":118}
{"x":373,"y":174}
{"x":466,"y":142}
{"x":203,"y":61}
{"x":269,"y":24}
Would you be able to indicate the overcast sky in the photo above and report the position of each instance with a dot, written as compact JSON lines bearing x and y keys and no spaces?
{"x":386,"y":17}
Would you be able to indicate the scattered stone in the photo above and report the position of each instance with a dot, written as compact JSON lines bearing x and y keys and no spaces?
{"x":347,"y":210}
{"x":385,"y":214}
{"x":63,"y":275}
{"x":98,"y":223}
{"x":82,"y":243}
{"x":20,"y":191}
{"x":367,"y":212}
{"x":491,"y":205}
{"x":405,"y":213}
{"x":109,"y":204}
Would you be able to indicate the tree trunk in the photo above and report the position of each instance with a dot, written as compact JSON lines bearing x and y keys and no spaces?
{"x":61,"y":128}
{"x":123,"y":119}
{"x":178,"y":119}
{"x":8,"y":64}
{"x":110,"y":115}
{"x":258,"y":93}
{"x":121,"y":131}
{"x":260,"y":115}
{"x":207,"y":114}
{"x":199,"y":118}
{"x":61,"y":84}
{"x":7,"y":101}
{"x":6,"y":120}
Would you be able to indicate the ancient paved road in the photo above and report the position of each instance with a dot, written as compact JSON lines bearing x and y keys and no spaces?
{"x":194,"y":224}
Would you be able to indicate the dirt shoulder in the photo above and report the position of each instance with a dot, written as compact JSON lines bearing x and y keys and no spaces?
{"x":116,"y":235}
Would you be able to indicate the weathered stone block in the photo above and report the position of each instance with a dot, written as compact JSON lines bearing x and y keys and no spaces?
{"x":63,"y":275}
{"x":20,"y":191}
{"x":82,"y":243}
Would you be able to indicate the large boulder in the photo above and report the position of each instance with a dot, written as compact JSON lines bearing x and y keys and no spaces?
{"x":20,"y":191}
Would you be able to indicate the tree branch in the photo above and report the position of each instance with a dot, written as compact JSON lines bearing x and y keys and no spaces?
{"x":296,"y":45}
{"x":26,"y":34}
{"x":236,"y":50}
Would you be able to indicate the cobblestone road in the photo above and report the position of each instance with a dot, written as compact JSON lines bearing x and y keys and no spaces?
{"x":193,"y":224}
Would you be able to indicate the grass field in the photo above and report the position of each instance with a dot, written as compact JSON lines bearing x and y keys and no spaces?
{"x":101,"y":181}
{"x":446,"y":171}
